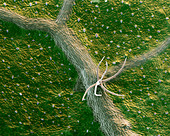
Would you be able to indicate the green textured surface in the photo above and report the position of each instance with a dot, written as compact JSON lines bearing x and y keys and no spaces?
{"x":145,"y":88}
{"x":47,"y":9}
{"x":116,"y":39}
{"x":37,"y":91}
{"x":149,"y":84}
